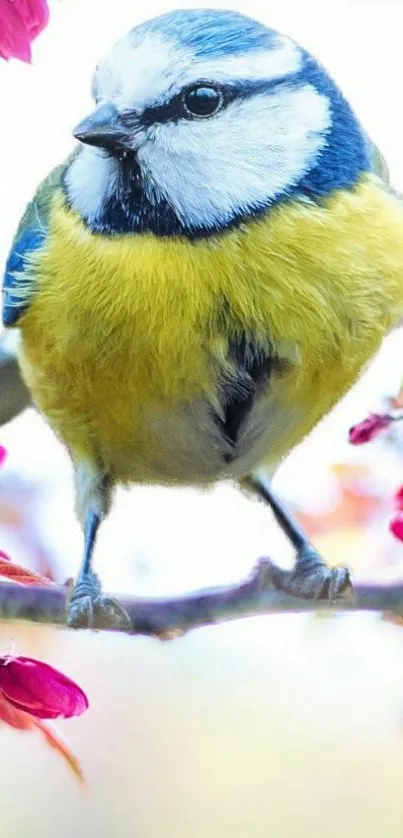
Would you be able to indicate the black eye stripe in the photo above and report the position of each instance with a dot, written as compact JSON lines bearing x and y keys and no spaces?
{"x":173,"y":110}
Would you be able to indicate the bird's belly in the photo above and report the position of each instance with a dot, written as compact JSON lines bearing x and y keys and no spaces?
{"x":183,"y":443}
{"x":163,"y":439}
{"x":192,"y":449}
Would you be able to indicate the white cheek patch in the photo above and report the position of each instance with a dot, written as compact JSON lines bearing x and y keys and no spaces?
{"x":136,"y":77}
{"x":90,"y":181}
{"x":211,"y":169}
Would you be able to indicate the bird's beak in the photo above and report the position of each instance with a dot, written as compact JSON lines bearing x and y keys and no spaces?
{"x":103,"y":128}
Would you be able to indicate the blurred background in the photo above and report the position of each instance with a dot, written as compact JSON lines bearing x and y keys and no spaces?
{"x":282,"y":726}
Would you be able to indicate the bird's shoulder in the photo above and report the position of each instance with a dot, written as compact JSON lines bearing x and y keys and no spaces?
{"x":19,"y":280}
{"x":380,"y":168}
{"x":378,"y":162}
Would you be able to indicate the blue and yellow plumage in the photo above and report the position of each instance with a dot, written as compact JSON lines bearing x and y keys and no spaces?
{"x":194,"y":291}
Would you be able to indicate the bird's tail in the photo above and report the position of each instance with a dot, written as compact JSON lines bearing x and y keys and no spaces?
{"x":14,"y":396}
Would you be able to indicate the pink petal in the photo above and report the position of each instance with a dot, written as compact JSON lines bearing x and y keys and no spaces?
{"x":398,"y":498}
{"x":19,"y":574}
{"x":370,"y":427}
{"x":14,"y":42}
{"x":35,"y":15}
{"x":396,"y":526}
{"x":13,"y":717}
{"x":3,"y":454}
{"x":34,"y":710}
{"x":22,"y":51}
{"x":20,"y":22}
{"x":37,"y":688}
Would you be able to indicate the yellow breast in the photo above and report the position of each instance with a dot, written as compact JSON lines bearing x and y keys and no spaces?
{"x":122,"y":329}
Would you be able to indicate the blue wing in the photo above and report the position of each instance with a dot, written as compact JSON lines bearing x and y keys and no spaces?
{"x":18,"y":282}
{"x":19,"y":279}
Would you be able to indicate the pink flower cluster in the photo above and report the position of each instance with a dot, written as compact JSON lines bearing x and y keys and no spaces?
{"x":32,"y":686}
{"x":365,"y":431}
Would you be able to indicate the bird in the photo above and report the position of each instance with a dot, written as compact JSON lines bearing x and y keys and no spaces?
{"x":205,"y":276}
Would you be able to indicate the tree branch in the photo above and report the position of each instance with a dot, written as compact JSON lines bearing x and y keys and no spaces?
{"x":173,"y":616}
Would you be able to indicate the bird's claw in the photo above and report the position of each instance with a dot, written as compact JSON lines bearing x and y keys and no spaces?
{"x":312,"y":578}
{"x":88,"y":606}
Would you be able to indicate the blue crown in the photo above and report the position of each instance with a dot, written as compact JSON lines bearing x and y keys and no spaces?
{"x":210,"y":33}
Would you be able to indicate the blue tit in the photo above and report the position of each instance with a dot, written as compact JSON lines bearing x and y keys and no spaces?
{"x":207,"y":274}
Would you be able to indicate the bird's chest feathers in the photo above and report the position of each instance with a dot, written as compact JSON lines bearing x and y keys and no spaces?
{"x":143,"y":320}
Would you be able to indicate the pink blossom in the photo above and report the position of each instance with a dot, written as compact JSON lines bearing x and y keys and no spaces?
{"x":370,"y":427}
{"x":398,"y":499}
{"x":39,"y":689}
{"x":3,"y":451}
{"x":20,"y":22}
{"x":396,"y":526}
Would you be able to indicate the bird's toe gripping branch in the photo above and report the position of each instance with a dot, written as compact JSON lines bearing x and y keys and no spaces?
{"x":87,"y":605}
{"x":311,"y":577}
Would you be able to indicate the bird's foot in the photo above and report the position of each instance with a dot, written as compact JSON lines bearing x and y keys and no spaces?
{"x":87,"y":605}
{"x":312,"y":578}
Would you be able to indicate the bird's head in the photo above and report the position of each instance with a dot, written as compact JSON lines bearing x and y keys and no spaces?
{"x":203,"y":118}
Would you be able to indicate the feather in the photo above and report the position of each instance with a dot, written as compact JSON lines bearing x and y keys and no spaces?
{"x":125,"y":347}
{"x":19,"y":280}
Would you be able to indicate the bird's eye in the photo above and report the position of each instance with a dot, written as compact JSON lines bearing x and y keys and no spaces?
{"x":202,"y":100}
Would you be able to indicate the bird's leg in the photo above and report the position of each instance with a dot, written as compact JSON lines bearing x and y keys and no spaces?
{"x":87,"y":601}
{"x":311,"y":577}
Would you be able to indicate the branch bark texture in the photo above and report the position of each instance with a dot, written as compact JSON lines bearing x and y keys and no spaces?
{"x":172,"y":616}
